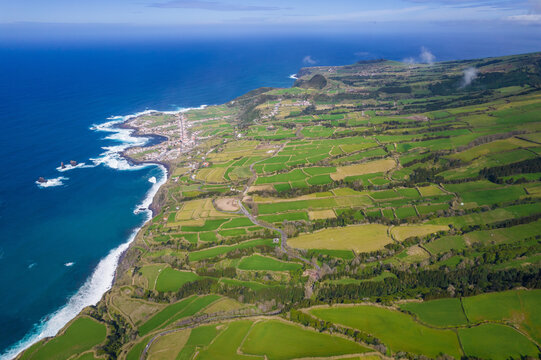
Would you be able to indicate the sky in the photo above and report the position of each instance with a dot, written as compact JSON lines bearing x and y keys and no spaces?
{"x":29,"y":16}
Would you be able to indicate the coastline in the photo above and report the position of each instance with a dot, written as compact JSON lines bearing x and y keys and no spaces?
{"x":104,"y":275}
{"x":153,"y":207}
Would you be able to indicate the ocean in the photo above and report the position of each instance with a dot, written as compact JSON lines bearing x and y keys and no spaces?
{"x":59,"y":102}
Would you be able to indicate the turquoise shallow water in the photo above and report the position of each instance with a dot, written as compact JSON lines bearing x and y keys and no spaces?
{"x":52,"y":240}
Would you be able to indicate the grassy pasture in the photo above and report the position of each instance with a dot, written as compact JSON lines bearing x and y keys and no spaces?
{"x":321,"y":214}
{"x":376,"y":166}
{"x":177,"y":311}
{"x":81,"y":335}
{"x":427,"y":209}
{"x":237,"y":223}
{"x":225,"y":345}
{"x":212,"y":175}
{"x":487,"y":217}
{"x":492,"y":306}
{"x":199,"y":337}
{"x":232,"y":232}
{"x":405,"y":212}
{"x":224,"y":304}
{"x":403,"y":232}
{"x":345,"y":191}
{"x":171,"y":279}
{"x":295,"y":342}
{"x":254,"y":285}
{"x":494,"y":341}
{"x":361,"y":238}
{"x":441,"y":312}
{"x":408,"y":193}
{"x":291,"y":216}
{"x":384,"y":195}
{"x":238,"y":173}
{"x":471,"y":186}
{"x":136,"y":310}
{"x":505,"y":234}
{"x":488,"y":197}
{"x":209,"y":225}
{"x":312,"y":171}
{"x":293,"y":175}
{"x":219,"y":250}
{"x":168,"y":346}
{"x":163,"y":315}
{"x":397,"y":330}
{"x":207,"y":236}
{"x":151,"y":272}
{"x":446,"y":243}
{"x":278,"y":207}
{"x":379,"y":152}
{"x":343,"y":254}
{"x":135,"y":352}
{"x":320,"y":180}
{"x":258,"y":262}
{"x":491,"y":148}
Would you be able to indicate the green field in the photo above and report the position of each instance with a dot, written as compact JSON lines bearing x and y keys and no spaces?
{"x":171,"y":279}
{"x":199,"y":337}
{"x":258,"y":262}
{"x":359,"y":238}
{"x":225,"y":345}
{"x":397,"y":330}
{"x":81,"y":335}
{"x":443,"y":312}
{"x":219,"y":250}
{"x":295,"y":342}
{"x":493,"y":341}
{"x":446,"y":243}
{"x":174,"y":312}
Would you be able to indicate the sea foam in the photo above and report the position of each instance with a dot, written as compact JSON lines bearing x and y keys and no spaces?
{"x":52,"y":182}
{"x":68,"y":167}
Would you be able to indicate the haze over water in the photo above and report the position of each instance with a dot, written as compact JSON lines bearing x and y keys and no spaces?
{"x":52,"y":239}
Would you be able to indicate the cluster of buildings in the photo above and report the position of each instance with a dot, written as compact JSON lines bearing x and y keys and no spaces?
{"x":179,"y":140}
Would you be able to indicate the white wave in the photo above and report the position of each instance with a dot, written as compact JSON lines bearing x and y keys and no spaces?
{"x":69,"y":264}
{"x":32,"y":265}
{"x":293,"y":76}
{"x":152,"y":180}
{"x":68,"y":167}
{"x":116,"y":117}
{"x":145,"y":204}
{"x":52,"y":182}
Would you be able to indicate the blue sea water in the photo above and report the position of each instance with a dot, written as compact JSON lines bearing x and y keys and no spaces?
{"x":53,"y":239}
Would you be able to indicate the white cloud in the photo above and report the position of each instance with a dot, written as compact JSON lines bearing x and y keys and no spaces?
{"x":309,"y":60}
{"x":426,"y":56}
{"x":470,"y":74}
{"x":410,"y":60}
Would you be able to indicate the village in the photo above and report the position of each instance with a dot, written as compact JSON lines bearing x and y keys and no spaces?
{"x":179,"y":140}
